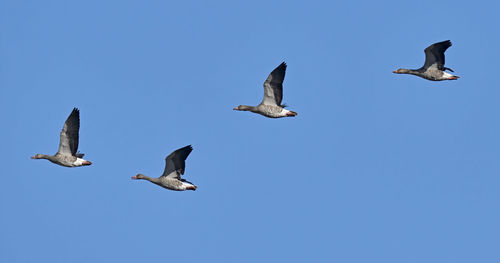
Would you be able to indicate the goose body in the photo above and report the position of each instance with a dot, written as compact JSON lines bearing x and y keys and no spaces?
{"x":68,"y":155}
{"x":271,"y":106}
{"x":433,"y":68}
{"x":175,"y":164}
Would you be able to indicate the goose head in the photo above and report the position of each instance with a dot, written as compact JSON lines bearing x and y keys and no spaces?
{"x":38,"y":156}
{"x":243,"y":108}
{"x":138,"y":176}
{"x":401,"y":71}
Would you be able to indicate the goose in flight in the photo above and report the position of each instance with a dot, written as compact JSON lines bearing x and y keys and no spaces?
{"x":433,"y":68}
{"x":273,"y":94}
{"x":175,"y":164}
{"x":67,"y":154}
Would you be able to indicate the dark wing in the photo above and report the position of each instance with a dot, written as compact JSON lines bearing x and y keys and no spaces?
{"x":273,"y":86}
{"x":175,"y":163}
{"x":68,"y":143}
{"x":434,"y":54}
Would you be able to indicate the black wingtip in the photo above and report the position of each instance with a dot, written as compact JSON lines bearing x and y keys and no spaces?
{"x":446,"y":43}
{"x":75,"y":112}
{"x":282,"y":66}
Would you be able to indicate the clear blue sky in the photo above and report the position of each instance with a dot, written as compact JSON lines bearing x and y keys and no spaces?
{"x":377,"y":167}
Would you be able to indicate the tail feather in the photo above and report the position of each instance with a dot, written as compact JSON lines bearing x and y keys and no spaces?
{"x":189,"y":185}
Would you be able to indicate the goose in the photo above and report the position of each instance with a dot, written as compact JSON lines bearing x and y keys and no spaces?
{"x":68,"y":145}
{"x":433,"y":68}
{"x":273,"y":94}
{"x":175,"y":164}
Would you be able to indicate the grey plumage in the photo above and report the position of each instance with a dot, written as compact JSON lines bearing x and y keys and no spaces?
{"x":271,"y":106}
{"x":433,"y":68}
{"x":175,"y":165}
{"x":67,"y":154}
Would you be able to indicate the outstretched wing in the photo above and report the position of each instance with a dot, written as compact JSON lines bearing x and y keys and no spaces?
{"x":68,"y":143}
{"x":434,"y":54}
{"x":273,"y":86}
{"x":175,"y":163}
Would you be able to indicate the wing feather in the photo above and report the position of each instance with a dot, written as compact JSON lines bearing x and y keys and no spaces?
{"x":434,"y":54}
{"x":68,"y":142}
{"x":175,"y":163}
{"x":273,"y":86}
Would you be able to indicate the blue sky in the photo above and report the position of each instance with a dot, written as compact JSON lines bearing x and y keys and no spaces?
{"x":376,"y":167}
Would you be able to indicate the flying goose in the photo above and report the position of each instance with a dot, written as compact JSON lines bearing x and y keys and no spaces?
{"x":273,"y":94}
{"x":174,"y":168}
{"x":68,"y":145}
{"x":433,"y":68}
